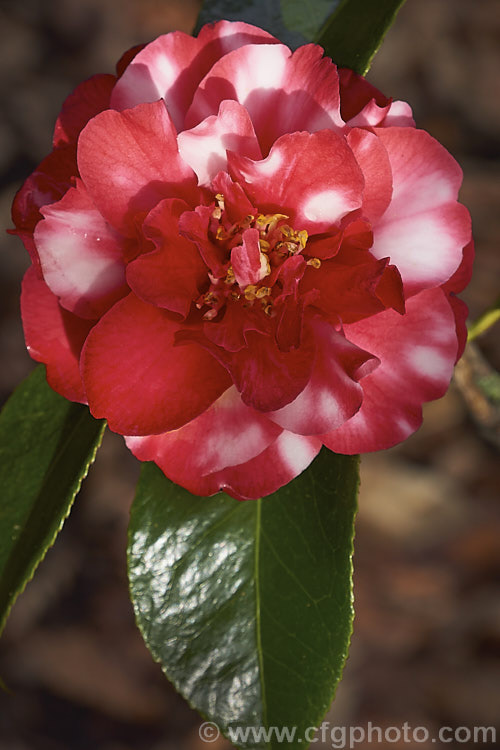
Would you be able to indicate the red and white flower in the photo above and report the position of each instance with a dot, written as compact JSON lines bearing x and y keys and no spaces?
{"x":241,"y":254}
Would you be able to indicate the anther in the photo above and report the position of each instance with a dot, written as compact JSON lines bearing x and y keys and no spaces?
{"x":314,"y":262}
{"x":264,"y":291}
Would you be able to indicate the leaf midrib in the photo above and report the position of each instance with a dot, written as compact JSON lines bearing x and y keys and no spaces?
{"x":258,"y":531}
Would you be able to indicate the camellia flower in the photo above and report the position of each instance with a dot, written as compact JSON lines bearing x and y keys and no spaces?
{"x":241,"y":254}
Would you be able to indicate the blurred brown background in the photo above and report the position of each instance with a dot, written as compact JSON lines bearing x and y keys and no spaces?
{"x":426,"y":648}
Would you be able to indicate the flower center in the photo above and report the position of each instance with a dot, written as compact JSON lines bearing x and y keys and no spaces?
{"x":253,"y":251}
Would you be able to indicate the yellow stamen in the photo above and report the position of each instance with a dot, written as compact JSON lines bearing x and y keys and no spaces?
{"x":314,"y":262}
{"x":246,"y":222}
{"x":302,"y":236}
{"x":218,"y":210}
{"x":264,"y":291}
{"x":291,"y":235}
{"x":249,"y":292}
{"x":230,"y":278}
{"x":264,"y":261}
{"x":269,"y":221}
{"x":287,"y":247}
{"x":221,"y":234}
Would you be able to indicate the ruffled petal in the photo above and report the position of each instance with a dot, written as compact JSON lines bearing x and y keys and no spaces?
{"x":236,"y":203}
{"x":266,"y":377}
{"x":194,"y":225}
{"x":228,"y":433}
{"x":126,"y":59}
{"x":333,"y":393}
{"x":53,"y":336}
{"x":417,"y":352}
{"x":400,"y":115}
{"x":283,"y":92}
{"x":45,"y":185}
{"x":170,"y":276}
{"x":138,"y":379}
{"x":312,"y":178}
{"x":424,"y":229}
{"x":129,"y":161}
{"x":356,"y":92}
{"x":282,"y":461}
{"x":204,"y":147}
{"x":373,"y":160}
{"x":463,"y":274}
{"x":81,"y":255}
{"x":87,"y":100}
{"x":250,"y":265}
{"x":363,"y":105}
{"x":172,"y":66}
{"x":354,"y":285}
{"x":453,"y":286}
{"x":461,"y":312}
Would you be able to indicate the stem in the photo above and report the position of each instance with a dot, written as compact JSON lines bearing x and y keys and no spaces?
{"x":485,"y":321}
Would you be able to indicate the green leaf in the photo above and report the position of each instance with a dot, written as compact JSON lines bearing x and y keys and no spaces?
{"x":46,"y":447}
{"x":354,"y":32}
{"x":266,"y":15}
{"x":306,"y":16}
{"x":248,"y":605}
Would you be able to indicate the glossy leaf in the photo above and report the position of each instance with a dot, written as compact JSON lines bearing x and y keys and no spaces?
{"x":307,"y":16}
{"x":267,"y":15}
{"x":354,"y":32}
{"x":248,"y":605}
{"x":46,"y":447}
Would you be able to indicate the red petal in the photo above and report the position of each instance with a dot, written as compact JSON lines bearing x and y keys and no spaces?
{"x":86,"y":101}
{"x":228,"y":433}
{"x":389,"y":289}
{"x":372,"y":157}
{"x":417,"y":352}
{"x":460,"y":311}
{"x":277,"y":465}
{"x":456,"y":284}
{"x":266,"y":377}
{"x":362,"y":105}
{"x":194,"y":225}
{"x":129,"y":162}
{"x":230,"y":332}
{"x":249,"y":264}
{"x":126,"y":59}
{"x":47,"y":184}
{"x":204,"y":147}
{"x":237,"y":206}
{"x":289,"y":304}
{"x":53,"y":336}
{"x":138,"y":379}
{"x":81,"y":255}
{"x":314,"y":179}
{"x":356,"y":92}
{"x":332,"y":394}
{"x":424,"y":229}
{"x":172,"y":66}
{"x":283,"y":92}
{"x":354,"y":285}
{"x":462,"y":275}
{"x":172,"y":275}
